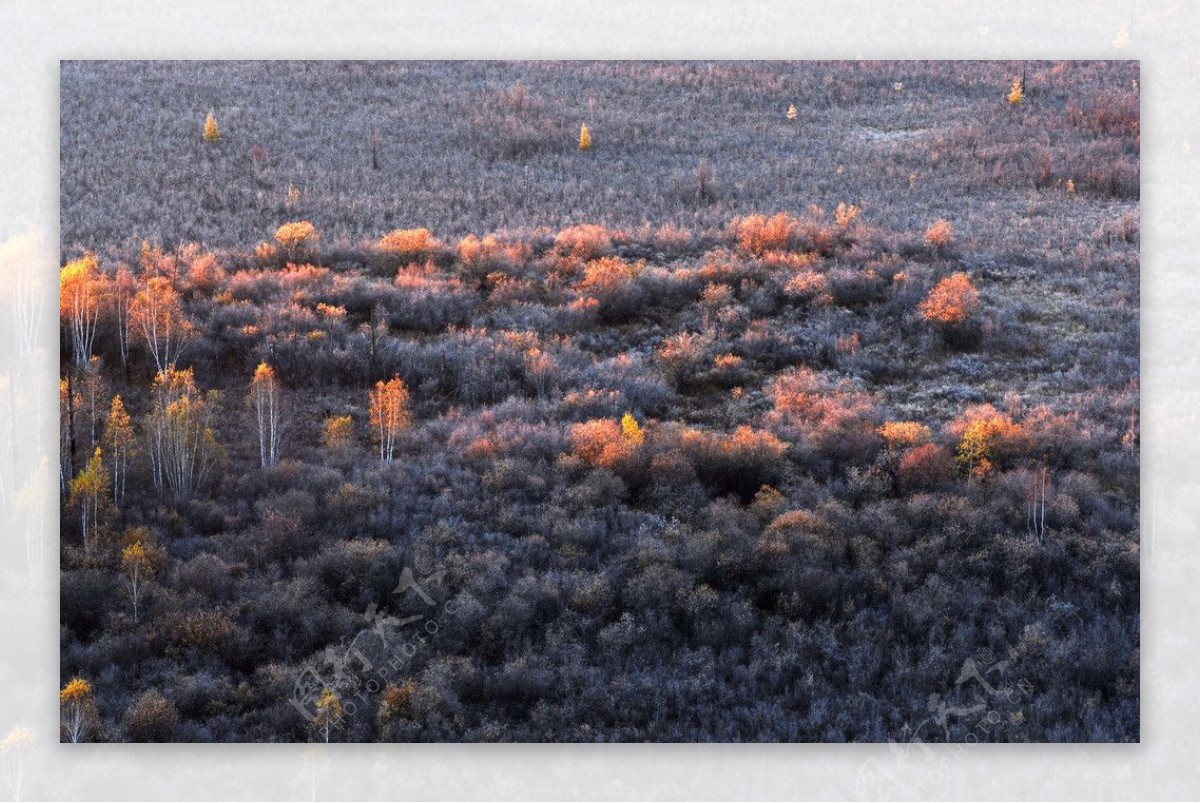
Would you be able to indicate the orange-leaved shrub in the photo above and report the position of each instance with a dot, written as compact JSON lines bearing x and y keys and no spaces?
{"x":904,"y":434}
{"x":925,"y":467}
{"x":408,"y":244}
{"x":819,"y":416}
{"x":483,"y":256}
{"x":808,"y":536}
{"x":988,"y":439}
{"x":584,"y":241}
{"x":939,"y":234}
{"x":740,"y":462}
{"x":952,"y":306}
{"x":297,"y":236}
{"x":606,"y":443}
{"x":610,"y":281}
{"x":952,"y":301}
{"x":212,"y":132}
{"x":759,"y":234}
{"x":810,"y":286}
{"x":845,"y":215}
{"x":683,"y":355}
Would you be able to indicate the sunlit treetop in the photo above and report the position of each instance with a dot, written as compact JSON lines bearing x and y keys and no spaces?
{"x":77,"y":690}
{"x":952,"y":301}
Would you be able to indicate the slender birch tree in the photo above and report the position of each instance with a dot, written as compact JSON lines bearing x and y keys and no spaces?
{"x":389,"y":415}
{"x":122,"y":290}
{"x":183,"y":448}
{"x":265,"y":401}
{"x":89,"y":493}
{"x":139,"y":571}
{"x":77,"y":715}
{"x":92,"y":390}
{"x":119,"y":444}
{"x":157,"y":315}
{"x":79,"y":305}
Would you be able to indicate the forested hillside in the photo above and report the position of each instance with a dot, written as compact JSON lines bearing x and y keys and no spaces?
{"x":721,"y":423}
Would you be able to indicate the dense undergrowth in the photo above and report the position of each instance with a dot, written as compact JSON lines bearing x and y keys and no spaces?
{"x":774,"y":477}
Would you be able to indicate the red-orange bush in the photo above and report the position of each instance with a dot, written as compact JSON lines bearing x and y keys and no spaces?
{"x":952,"y":301}
{"x":408,"y":244}
{"x":585,"y":241}
{"x":603,"y":443}
{"x":939,"y":234}
{"x":835,"y":419}
{"x":925,"y":467}
{"x":809,"y":285}
{"x":903,"y":434}
{"x":742,"y":461}
{"x":609,"y":280}
{"x":988,"y":439}
{"x":759,"y":234}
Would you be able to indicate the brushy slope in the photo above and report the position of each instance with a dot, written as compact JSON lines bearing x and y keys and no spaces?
{"x":477,"y":147}
{"x":681,"y":465}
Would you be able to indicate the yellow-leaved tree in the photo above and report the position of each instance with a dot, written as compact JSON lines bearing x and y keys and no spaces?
{"x":389,"y":415}
{"x":631,"y":430}
{"x":1016,"y":93}
{"x":337,"y":435}
{"x":183,"y":448}
{"x":984,"y":440}
{"x":79,"y":292}
{"x":89,"y":495}
{"x":265,"y":401}
{"x":77,"y":715}
{"x":139,"y":571}
{"x":328,"y":717}
{"x":211,"y":131}
{"x":585,"y":138}
{"x":120,"y":443}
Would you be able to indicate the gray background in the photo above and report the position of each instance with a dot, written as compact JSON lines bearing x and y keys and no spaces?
{"x":35,"y":35}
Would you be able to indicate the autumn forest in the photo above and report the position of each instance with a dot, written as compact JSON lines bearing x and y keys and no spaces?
{"x":599,"y":401}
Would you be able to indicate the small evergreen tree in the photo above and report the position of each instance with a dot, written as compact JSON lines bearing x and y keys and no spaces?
{"x":211,"y":131}
{"x":1017,"y":93}
{"x":630,"y":429}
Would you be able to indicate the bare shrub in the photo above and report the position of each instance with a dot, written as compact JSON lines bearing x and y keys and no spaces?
{"x":151,"y":718}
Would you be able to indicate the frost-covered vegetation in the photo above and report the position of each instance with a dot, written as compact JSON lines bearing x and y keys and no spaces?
{"x":733,"y":425}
